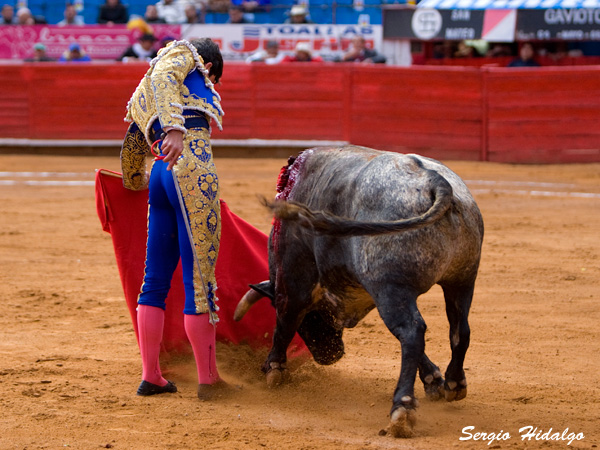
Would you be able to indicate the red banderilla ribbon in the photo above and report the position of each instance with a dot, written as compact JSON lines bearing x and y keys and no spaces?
{"x":157,"y":155}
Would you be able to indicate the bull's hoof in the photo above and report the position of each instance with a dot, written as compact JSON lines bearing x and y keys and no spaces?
{"x":402,"y":423}
{"x":454,"y":391}
{"x":277,"y":375}
{"x":434,"y":386}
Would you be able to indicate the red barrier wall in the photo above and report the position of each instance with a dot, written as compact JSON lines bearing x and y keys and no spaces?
{"x":549,"y":114}
{"x":496,"y":114}
{"x":425,"y":110}
{"x":58,"y":101}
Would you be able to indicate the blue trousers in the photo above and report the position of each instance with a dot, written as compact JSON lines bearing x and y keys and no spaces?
{"x":168,"y":240}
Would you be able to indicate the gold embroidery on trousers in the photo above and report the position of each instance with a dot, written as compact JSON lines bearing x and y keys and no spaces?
{"x":199,"y":186}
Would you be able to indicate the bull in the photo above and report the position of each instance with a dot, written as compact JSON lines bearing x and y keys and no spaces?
{"x":357,"y":228}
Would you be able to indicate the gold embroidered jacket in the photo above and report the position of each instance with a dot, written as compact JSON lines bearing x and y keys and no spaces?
{"x":162,"y":94}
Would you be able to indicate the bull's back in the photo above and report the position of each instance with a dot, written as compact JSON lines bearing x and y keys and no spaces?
{"x":369,"y":185}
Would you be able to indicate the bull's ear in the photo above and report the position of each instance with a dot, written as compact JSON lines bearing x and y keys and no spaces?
{"x":265,"y":288}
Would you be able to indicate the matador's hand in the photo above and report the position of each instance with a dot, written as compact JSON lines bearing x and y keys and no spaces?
{"x":172,"y":146}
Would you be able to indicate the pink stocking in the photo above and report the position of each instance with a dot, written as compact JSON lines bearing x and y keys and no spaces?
{"x":201,"y":334}
{"x":150,"y":321}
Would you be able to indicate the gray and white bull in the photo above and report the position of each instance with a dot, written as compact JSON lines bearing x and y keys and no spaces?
{"x":356,"y":229}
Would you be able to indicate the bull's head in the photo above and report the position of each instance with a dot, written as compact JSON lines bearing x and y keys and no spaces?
{"x":321,"y":337}
{"x":317,"y":329}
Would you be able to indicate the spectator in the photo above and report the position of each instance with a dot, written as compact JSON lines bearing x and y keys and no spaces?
{"x":270,"y":55}
{"x":302,"y":53}
{"x":143,"y":50}
{"x":71,"y":16}
{"x":138,"y":26}
{"x":24,"y":17}
{"x":171,"y":11}
{"x":444,"y":49}
{"x":526,"y":57}
{"x":360,"y":53}
{"x":218,"y":6}
{"x":74,"y":54}
{"x":499,"y":50}
{"x":192,"y":15}
{"x":39,"y":54}
{"x":113,"y":11}
{"x":166,"y":41}
{"x":464,"y":51}
{"x":236,"y":15}
{"x":251,"y":6}
{"x":555,"y":51}
{"x":201,"y":6}
{"x":298,"y":14}
{"x":151,"y":15}
{"x":7,"y":17}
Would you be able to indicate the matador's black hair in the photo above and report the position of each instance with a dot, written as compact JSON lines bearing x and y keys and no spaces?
{"x":210,"y":52}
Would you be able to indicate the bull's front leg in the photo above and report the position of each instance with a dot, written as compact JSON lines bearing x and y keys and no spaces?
{"x":398,"y":309}
{"x":275,"y":365}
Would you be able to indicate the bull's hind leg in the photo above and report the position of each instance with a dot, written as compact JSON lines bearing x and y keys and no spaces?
{"x":432,"y":379}
{"x":398,"y":309}
{"x":458,"y":302}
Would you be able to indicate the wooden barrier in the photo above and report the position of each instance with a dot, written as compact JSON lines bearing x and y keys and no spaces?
{"x":503,"y":61}
{"x":425,"y":110}
{"x":57,"y":101}
{"x":548,"y":114}
{"x":470,"y":113}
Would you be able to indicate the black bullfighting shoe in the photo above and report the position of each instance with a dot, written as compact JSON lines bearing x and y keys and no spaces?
{"x":147,"y":388}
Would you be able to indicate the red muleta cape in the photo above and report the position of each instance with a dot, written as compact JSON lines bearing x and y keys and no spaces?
{"x":243,"y":259}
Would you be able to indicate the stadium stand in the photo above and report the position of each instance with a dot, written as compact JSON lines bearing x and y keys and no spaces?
{"x":321,"y":11}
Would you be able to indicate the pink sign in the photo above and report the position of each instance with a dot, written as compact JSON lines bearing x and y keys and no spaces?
{"x":98,"y":41}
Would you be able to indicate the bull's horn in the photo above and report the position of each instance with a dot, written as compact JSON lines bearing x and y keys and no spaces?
{"x":249,"y":299}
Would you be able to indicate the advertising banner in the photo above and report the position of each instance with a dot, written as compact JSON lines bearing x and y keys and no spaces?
{"x":560,"y":24}
{"x":497,"y":25}
{"x":236,"y":41}
{"x":98,"y":41}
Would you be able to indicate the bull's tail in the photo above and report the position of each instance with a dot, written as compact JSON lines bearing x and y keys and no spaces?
{"x":323,"y":222}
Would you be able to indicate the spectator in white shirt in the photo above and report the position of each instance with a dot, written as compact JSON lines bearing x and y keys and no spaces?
{"x":172,"y":11}
{"x":270,"y":55}
{"x":71,"y":16}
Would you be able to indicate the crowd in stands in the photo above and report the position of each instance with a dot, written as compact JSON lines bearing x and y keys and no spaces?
{"x":182,"y":12}
{"x":357,"y":53}
{"x":243,"y":11}
{"x":73,"y":54}
{"x":515,"y":54}
{"x":203,"y":11}
{"x":145,"y":50}
{"x":22,"y":16}
{"x":161,"y":11}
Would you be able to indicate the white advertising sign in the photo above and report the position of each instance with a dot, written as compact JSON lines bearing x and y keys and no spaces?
{"x":239,"y":41}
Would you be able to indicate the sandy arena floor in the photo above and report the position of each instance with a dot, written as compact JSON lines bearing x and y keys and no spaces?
{"x":69,"y":363}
